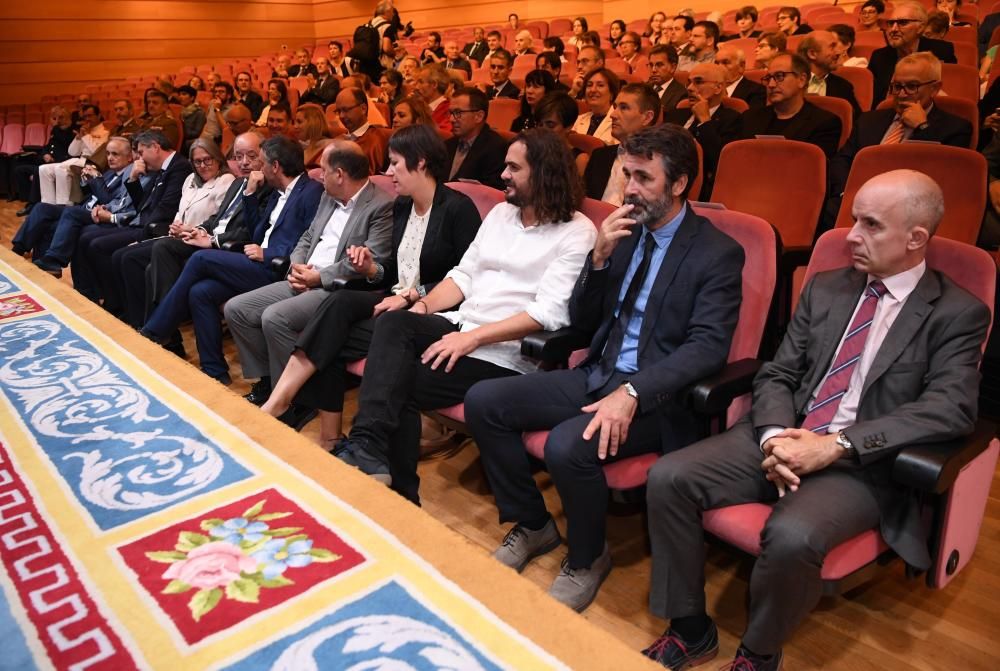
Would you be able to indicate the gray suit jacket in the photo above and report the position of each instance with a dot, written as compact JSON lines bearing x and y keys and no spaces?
{"x":369,"y":225}
{"x":922,"y":387}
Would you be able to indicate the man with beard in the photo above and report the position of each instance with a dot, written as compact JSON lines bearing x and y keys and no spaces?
{"x":661,"y":292}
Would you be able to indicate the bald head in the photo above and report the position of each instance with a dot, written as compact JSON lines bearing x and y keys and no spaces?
{"x":917,"y":195}
{"x":346,"y":168}
{"x":246,"y":152}
{"x":238,"y":118}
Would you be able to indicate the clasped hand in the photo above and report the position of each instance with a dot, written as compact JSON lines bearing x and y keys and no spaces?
{"x":797,"y":452}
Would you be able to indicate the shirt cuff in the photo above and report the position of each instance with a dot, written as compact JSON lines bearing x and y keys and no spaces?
{"x":768,"y":433}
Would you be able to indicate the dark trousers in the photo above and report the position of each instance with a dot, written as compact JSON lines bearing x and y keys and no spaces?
{"x":829,"y":507}
{"x":25,"y":179}
{"x":210,"y":278}
{"x":497,"y":412}
{"x":397,"y":386}
{"x":91,"y":264}
{"x":72,"y":221}
{"x":129,"y":265}
{"x":165,"y":265}
{"x":339,"y":332}
{"x":35,"y":234}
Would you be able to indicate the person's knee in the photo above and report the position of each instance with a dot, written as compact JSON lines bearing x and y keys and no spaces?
{"x":202,"y":295}
{"x":792,"y":540}
{"x":669,"y":478}
{"x":481,"y":402}
{"x":566,"y":449}
{"x":274,"y":321}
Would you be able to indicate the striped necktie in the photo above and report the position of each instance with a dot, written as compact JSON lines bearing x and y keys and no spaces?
{"x":895,"y":134}
{"x":837,"y":381}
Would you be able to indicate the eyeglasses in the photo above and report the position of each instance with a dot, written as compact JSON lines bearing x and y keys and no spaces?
{"x":902,"y":23}
{"x":776,"y":77}
{"x":457,"y":113}
{"x":895,"y":88}
{"x":203,"y":162}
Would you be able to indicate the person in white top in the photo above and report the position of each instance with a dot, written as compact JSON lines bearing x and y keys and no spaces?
{"x":515,"y":279}
{"x":600,"y":88}
{"x":55,"y":180}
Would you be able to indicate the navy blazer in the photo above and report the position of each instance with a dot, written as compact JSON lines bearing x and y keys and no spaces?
{"x":689,"y":321}
{"x":293,"y":221}
{"x":157,"y":203}
{"x":752,"y":93}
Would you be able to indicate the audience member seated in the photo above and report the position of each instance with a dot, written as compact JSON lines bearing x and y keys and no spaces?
{"x":813,"y":444}
{"x":494,"y":42}
{"x":453,"y":59}
{"x":303,"y":67}
{"x":431,"y":85}
{"x":282,"y":67}
{"x":432,"y":227}
{"x":558,"y":112}
{"x":352,"y":110}
{"x":629,"y":49}
{"x":746,"y":24}
{"x":821,"y":49}
{"x":790,"y":22}
{"x":50,"y":231}
{"x":245,"y":94}
{"x":266,"y":322}
{"x":580,"y":26}
{"x":323,"y":86}
{"x":619,"y":402}
{"x":680,"y":32}
{"x":737,"y":86}
{"x":701,"y":46}
{"x":432,"y":52}
{"x":392,"y":90}
{"x":277,"y":92}
{"x":870,"y":16}
{"x":500,"y":85}
{"x":789,"y":113}
{"x":555,"y":45}
{"x":192,"y":116}
{"x":212,"y":276}
{"x":159,"y":118}
{"x":475,"y":151}
{"x":989,"y":234}
{"x":218,"y":107}
{"x":477,"y":49}
{"x":549,"y":62}
{"x":411,"y":111}
{"x":903,"y":31}
{"x":588,"y":59}
{"x":360,"y":81}
{"x":340,"y":65}
{"x":768,"y":46}
{"x":56,"y":150}
{"x":658,"y":29}
{"x":711,"y":123}
{"x":616,"y":31}
{"x":600,"y":88}
{"x":950,"y":9}
{"x":523,"y":43}
{"x":311,"y":130}
{"x":845,"y":42}
{"x":662,"y":63}
{"x":55,"y":180}
{"x":279,"y":120}
{"x":937,"y":26}
{"x":635,"y":108}
{"x":515,"y":279}
{"x":201,"y":196}
{"x":537,"y":84}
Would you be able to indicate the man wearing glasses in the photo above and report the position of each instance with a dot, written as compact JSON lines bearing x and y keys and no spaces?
{"x":790,"y":114}
{"x":903,"y":31}
{"x":628,"y":49}
{"x":701,"y":47}
{"x":352,"y":110}
{"x":475,"y":151}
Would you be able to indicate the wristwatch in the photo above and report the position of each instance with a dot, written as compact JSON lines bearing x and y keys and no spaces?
{"x":846,"y":443}
{"x":630,"y":390}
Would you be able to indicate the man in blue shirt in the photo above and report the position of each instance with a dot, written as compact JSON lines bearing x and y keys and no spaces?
{"x":661,"y":292}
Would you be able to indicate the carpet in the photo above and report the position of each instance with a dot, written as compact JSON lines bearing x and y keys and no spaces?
{"x":149,"y":518}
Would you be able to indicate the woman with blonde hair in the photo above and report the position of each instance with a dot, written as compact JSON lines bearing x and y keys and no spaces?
{"x":312,"y":133}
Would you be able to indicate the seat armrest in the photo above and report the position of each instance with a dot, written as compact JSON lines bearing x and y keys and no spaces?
{"x":155,"y":230}
{"x":933,"y":467}
{"x":554,"y":346}
{"x":279,"y":267}
{"x":234,"y":246}
{"x":713,"y":394}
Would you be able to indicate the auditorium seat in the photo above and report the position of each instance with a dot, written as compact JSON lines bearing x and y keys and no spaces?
{"x":960,"y":81}
{"x":863,"y":82}
{"x":952,"y":478}
{"x":13,"y":138}
{"x":961,"y":173}
{"x":841,"y":108}
{"x":35,"y":135}
{"x":502,"y":113}
{"x":583,"y":142}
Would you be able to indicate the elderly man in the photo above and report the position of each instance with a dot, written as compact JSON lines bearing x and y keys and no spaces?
{"x":282,"y":67}
{"x":649,"y":342}
{"x":821,"y":49}
{"x":712,"y":124}
{"x":475,"y":151}
{"x":478,"y":48}
{"x":352,"y":110}
{"x":789,"y":113}
{"x":266,"y":322}
{"x":523,"y":43}
{"x":903,"y":29}
{"x":815,"y":445}
{"x":635,"y":108}
{"x":701,"y":46}
{"x":125,"y":121}
{"x":453,"y":59}
{"x":55,"y":180}
{"x":432,"y":84}
{"x":662,"y":63}
{"x":302,"y":67}
{"x":737,"y":86}
{"x":500,"y":85}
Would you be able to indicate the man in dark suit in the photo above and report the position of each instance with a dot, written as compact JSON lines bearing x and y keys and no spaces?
{"x":822,"y":51}
{"x":475,"y":151}
{"x":877,"y":357}
{"x":302,"y":67}
{"x":453,"y":59}
{"x":903,"y":31}
{"x":662,"y":65}
{"x":635,"y":108}
{"x":477,"y":49}
{"x":661,"y":292}
{"x":212,"y":276}
{"x":324,"y":86}
{"x":246,"y":95}
{"x":500,"y":86}
{"x":734,"y":60}
{"x":156,"y":203}
{"x":790,"y":114}
{"x":712,"y":124}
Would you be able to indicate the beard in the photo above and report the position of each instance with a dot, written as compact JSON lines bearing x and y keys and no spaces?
{"x":514,"y":198}
{"x":648,"y":213}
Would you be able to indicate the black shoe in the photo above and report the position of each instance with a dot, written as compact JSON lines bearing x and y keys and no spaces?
{"x":297,"y":416}
{"x":223,"y":379}
{"x":676,"y":654}
{"x":259,"y":392}
{"x":19,"y":250}
{"x":748,"y":661}
{"x":353,"y":454}
{"x":24,"y":211}
{"x":51,"y":267}
{"x":175,"y":345}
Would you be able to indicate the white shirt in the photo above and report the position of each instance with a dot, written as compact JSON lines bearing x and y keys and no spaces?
{"x":898,"y":289}
{"x":408,"y":255}
{"x":325,"y":252}
{"x":732,"y":87}
{"x":614,"y":192}
{"x":362,"y":129}
{"x":510,"y":269}
{"x":692,"y":119}
{"x":87,"y":144}
{"x":434,"y":104}
{"x":278,"y":207}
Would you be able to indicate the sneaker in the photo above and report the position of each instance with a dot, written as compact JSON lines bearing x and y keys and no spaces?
{"x":521,"y":545}
{"x":673,"y":652}
{"x":297,"y":416}
{"x":353,"y":454}
{"x":51,"y":267}
{"x":577,"y":587}
{"x":747,"y":661}
{"x":259,"y":392}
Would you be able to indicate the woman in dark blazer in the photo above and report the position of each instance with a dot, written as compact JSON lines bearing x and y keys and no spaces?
{"x":433,"y":225}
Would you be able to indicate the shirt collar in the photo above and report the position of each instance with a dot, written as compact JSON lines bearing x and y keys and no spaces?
{"x":664,"y":234}
{"x":434,"y":104}
{"x":166,"y":162}
{"x":349,"y":204}
{"x":291,"y":185}
{"x":362,"y":129}
{"x":901,"y":285}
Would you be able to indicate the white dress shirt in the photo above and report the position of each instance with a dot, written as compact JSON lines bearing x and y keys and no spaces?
{"x":278,"y":207}
{"x":510,"y":269}
{"x":732,"y":87}
{"x":325,"y":252}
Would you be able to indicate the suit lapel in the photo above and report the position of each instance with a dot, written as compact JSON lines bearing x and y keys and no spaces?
{"x":434,"y":222}
{"x":359,"y":210}
{"x":848,"y":288}
{"x":682,"y":243}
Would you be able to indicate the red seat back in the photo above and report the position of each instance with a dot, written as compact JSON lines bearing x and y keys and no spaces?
{"x":502,"y":113}
{"x":842,"y":109}
{"x":484,"y":197}
{"x":863,"y":82}
{"x":13,"y":138}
